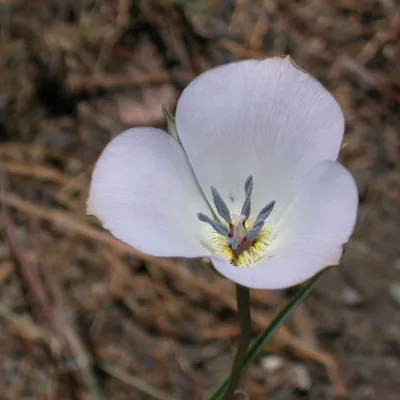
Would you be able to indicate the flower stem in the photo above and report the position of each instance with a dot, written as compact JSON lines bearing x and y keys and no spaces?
{"x":260,"y":341}
{"x":243,"y":305}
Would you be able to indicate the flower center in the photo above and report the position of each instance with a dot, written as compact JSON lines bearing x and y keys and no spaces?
{"x":238,"y":238}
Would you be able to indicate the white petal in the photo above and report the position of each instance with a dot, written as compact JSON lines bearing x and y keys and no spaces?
{"x":144,"y":191}
{"x":264,"y":118}
{"x":310,"y":234}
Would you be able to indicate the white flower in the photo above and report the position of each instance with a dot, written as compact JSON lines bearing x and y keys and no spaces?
{"x":256,"y":186}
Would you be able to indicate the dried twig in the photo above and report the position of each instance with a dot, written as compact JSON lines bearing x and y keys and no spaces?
{"x":135,"y":382}
{"x":79,"y":83}
{"x":29,"y":270}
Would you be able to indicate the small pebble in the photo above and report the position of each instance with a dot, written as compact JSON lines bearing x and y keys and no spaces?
{"x":352,"y":297}
{"x":300,"y":377}
{"x":272,"y":364}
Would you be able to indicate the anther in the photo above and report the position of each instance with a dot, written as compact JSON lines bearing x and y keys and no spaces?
{"x":254,"y":231}
{"x":248,"y":187}
{"x":221,"y":206}
{"x":265,"y":212}
{"x":218,"y":227}
{"x":260,"y":221}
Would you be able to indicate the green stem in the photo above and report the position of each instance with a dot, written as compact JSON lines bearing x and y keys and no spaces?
{"x":243,"y":305}
{"x":258,"y":344}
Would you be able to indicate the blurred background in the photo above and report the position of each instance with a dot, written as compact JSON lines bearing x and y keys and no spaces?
{"x":83,"y":316}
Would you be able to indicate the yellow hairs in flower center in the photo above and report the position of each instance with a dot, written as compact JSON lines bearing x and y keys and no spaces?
{"x":248,"y":257}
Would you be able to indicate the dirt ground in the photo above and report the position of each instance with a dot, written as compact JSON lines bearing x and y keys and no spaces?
{"x":83,"y":316}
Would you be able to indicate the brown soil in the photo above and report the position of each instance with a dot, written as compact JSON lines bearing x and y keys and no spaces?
{"x":83,"y":316}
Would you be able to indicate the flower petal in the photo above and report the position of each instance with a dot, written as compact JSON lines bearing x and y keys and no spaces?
{"x":310,"y":234}
{"x":268,"y":119}
{"x":143,"y":190}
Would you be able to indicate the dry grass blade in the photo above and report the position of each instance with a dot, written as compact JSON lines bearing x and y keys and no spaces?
{"x":28,"y":328}
{"x":81,"y":356}
{"x":36,"y":171}
{"x":135,"y":382}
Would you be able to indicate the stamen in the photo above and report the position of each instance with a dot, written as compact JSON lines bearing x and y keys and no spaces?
{"x":218,"y":227}
{"x":264,"y":213}
{"x":260,"y":221}
{"x":221,"y":206}
{"x":248,"y":187}
{"x":254,"y":231}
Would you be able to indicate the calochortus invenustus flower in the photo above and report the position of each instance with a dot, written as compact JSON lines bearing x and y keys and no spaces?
{"x":253,"y":184}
